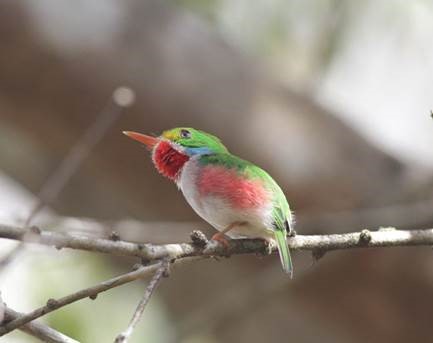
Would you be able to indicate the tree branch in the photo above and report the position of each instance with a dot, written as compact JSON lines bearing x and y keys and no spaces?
{"x":90,"y":292}
{"x":124,"y":336}
{"x":384,"y":237}
{"x":38,"y":330}
{"x":200,"y":247}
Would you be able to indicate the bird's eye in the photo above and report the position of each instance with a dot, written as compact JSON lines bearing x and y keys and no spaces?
{"x":185,"y":133}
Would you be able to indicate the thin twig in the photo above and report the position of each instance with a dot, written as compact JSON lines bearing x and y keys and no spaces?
{"x":124,"y":336}
{"x":90,"y":292}
{"x":38,"y":330}
{"x":6,"y":260}
{"x":80,"y":151}
{"x":122,"y":98}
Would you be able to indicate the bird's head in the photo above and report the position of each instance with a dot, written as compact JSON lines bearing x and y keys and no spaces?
{"x":173,"y":148}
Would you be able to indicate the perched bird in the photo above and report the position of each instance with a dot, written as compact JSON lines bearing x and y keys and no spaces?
{"x":235,"y":196}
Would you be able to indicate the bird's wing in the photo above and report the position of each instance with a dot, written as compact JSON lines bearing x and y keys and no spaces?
{"x":281,"y":216}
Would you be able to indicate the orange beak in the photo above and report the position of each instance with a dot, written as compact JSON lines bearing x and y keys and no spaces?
{"x":149,"y":141}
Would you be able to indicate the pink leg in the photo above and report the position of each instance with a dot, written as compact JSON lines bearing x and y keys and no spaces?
{"x":220,"y":236}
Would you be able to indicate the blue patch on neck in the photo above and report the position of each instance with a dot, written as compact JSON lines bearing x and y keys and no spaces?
{"x":198,"y":151}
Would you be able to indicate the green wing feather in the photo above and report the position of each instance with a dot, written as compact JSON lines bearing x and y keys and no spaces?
{"x":283,"y":221}
{"x":283,"y":250}
{"x":281,"y":214}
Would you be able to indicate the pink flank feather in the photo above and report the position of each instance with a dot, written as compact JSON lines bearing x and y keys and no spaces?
{"x":241,"y":192}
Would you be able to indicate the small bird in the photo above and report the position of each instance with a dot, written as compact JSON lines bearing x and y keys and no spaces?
{"x":235,"y":196}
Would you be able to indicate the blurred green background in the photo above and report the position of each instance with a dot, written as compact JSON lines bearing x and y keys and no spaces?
{"x":333,"y":98}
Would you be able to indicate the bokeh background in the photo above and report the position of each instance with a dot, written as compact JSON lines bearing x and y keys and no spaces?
{"x":332,"y":97}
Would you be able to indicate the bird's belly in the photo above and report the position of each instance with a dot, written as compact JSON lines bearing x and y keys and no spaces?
{"x":218,"y":212}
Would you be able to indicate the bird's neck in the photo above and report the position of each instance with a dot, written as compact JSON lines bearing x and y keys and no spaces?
{"x":168,"y":160}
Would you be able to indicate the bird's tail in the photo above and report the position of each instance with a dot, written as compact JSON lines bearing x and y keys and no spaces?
{"x":283,"y":250}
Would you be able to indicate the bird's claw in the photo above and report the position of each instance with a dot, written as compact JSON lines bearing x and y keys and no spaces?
{"x":218,"y":237}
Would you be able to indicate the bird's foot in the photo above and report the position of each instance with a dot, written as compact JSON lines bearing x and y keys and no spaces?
{"x":220,"y":238}
{"x":291,"y":233}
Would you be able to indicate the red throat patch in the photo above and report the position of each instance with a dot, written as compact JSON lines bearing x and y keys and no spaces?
{"x":168,"y":160}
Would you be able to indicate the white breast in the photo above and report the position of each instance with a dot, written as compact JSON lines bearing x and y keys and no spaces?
{"x":188,"y":185}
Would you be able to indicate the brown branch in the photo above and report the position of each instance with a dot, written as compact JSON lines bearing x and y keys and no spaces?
{"x":91,"y":292}
{"x":124,"y":336}
{"x":38,"y":330}
{"x":385,"y":237}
